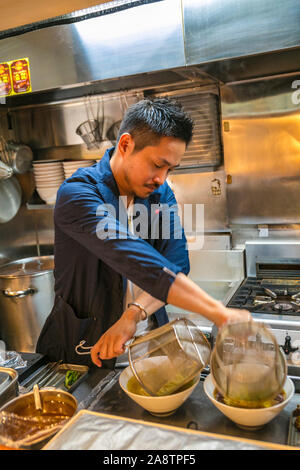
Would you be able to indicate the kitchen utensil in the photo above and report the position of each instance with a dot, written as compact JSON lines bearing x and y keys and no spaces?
{"x":20,"y":157}
{"x":10,"y":198}
{"x":23,"y":425}
{"x":44,"y":372}
{"x":4,"y":152}
{"x":183,"y":351}
{"x":113,"y":131}
{"x":89,"y":132}
{"x":294,"y":434}
{"x":8,"y":384}
{"x":249,"y":418}
{"x":37,"y":398}
{"x":5,"y":171}
{"x":247,"y":364}
{"x":26,"y":299}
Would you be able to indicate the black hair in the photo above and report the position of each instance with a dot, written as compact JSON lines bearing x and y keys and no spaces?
{"x":150,"y":119}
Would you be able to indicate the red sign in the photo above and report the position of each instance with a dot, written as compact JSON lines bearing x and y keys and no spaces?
{"x":20,"y":75}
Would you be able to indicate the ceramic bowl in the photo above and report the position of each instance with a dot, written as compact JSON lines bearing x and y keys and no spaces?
{"x":48,"y":194}
{"x":246,"y":418}
{"x":157,"y":406}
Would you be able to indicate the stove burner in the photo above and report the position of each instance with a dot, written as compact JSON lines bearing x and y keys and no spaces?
{"x":283,"y":306}
{"x":267,"y":297}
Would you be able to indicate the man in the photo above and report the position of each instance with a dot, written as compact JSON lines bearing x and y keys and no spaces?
{"x":100,"y":259}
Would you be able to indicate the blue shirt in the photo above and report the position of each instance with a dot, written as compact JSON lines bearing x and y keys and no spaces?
{"x":91,"y":270}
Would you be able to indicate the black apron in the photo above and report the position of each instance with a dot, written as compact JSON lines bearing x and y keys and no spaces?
{"x":63,"y":331}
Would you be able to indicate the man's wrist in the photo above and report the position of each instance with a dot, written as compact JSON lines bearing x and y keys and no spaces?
{"x":134,"y":313}
{"x":136,"y":305}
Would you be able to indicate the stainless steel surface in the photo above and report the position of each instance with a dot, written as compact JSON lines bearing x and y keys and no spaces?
{"x":148,"y":38}
{"x":260,"y":125}
{"x":23,"y":313}
{"x":270,"y":251}
{"x":8,"y":387}
{"x":10,"y":199}
{"x":53,"y":375}
{"x":205,"y":149}
{"x":159,"y":36}
{"x":194,"y":190}
{"x":54,"y":124}
{"x":217,"y":30}
{"x":21,"y":233}
{"x":196,"y":413}
{"x":84,"y":432}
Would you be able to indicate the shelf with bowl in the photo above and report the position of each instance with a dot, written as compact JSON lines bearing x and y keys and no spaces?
{"x":36,"y":203}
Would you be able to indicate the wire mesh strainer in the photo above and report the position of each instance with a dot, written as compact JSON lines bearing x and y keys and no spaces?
{"x":183,"y":352}
{"x":247,"y":364}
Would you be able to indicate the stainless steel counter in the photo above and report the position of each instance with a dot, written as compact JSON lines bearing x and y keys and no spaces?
{"x":197,"y":412}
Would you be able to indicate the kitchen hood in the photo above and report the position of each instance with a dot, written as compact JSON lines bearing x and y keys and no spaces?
{"x":225,"y":41}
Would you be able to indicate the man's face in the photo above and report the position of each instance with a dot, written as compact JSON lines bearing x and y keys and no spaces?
{"x":147,"y":169}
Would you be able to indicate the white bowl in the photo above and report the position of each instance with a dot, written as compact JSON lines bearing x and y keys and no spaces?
{"x":48,"y":166}
{"x":48,"y":194}
{"x":246,"y":418}
{"x":46,"y":174}
{"x":49,"y":184}
{"x":45,"y":162}
{"x":157,"y":406}
{"x":77,"y":164}
{"x":49,"y":176}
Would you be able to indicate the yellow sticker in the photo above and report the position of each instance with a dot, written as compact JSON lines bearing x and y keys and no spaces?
{"x":5,"y":80}
{"x":20,"y":76}
{"x":15,"y":77}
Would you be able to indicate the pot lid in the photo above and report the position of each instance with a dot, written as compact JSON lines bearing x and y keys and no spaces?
{"x":27,"y":267}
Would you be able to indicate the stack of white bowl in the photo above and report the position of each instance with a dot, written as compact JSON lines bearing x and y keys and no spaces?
{"x":72,"y":165}
{"x":48,"y":176}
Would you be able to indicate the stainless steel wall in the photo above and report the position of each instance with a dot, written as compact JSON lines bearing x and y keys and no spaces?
{"x":54,"y":124}
{"x":154,"y":37}
{"x":261,"y":129}
{"x":138,"y":40}
{"x":219,"y":29}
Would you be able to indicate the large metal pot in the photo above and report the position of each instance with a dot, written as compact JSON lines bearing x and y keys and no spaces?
{"x":55,"y":403}
{"x":26,"y":299}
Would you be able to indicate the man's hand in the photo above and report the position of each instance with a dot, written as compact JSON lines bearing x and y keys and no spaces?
{"x":112,"y":342}
{"x":233,"y":315}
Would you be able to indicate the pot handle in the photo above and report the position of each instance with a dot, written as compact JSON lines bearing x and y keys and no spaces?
{"x":19,"y":293}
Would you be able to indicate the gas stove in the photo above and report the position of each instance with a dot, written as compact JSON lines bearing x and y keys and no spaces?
{"x":271,"y":292}
{"x":279,"y":297}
